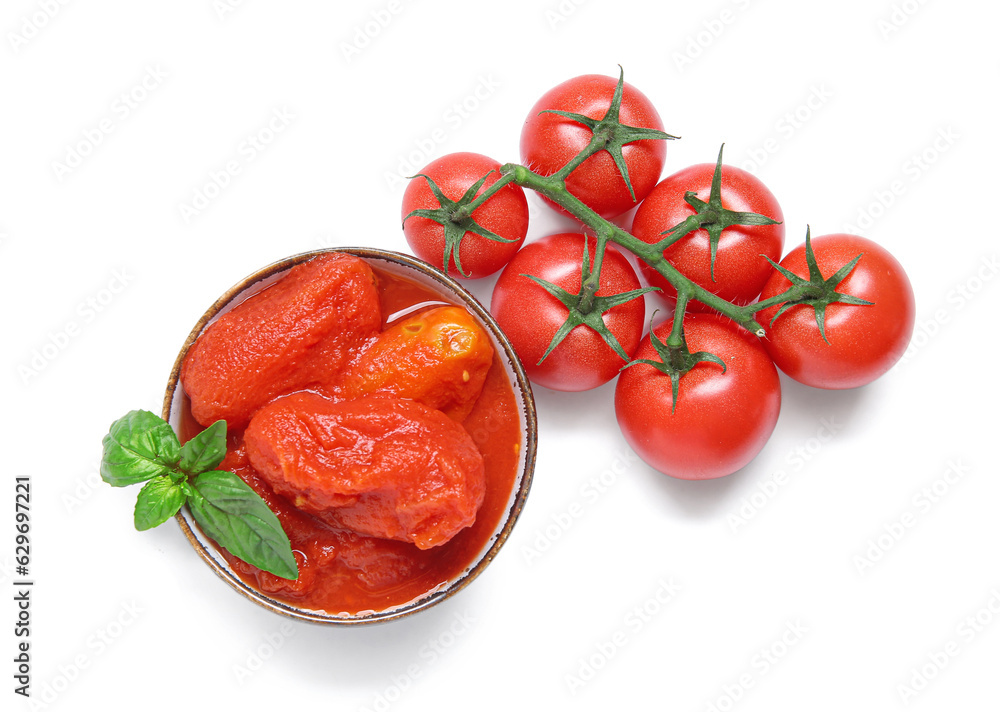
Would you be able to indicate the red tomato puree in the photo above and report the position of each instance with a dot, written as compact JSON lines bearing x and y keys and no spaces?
{"x":359,"y":348}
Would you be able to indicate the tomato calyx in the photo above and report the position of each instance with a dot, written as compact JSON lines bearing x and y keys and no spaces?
{"x":711,"y":216}
{"x":676,"y":358}
{"x":455,"y":216}
{"x":585,"y":307}
{"x":816,"y":291}
{"x":610,"y":135}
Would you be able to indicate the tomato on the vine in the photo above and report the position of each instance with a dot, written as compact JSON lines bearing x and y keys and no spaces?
{"x":739,"y":270}
{"x":721,"y":418}
{"x":862,"y":341}
{"x":530,"y":316}
{"x":505,"y":214}
{"x":550,"y":141}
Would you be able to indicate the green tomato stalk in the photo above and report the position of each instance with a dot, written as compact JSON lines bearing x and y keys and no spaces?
{"x":586,"y":307}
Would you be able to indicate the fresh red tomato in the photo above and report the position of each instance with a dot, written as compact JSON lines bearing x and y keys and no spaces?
{"x":721,"y":419}
{"x":531,"y":316}
{"x":864,"y":340}
{"x":740,"y":268}
{"x":550,"y":141}
{"x":505,"y":214}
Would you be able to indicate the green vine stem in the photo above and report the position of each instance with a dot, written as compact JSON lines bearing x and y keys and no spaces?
{"x":608,"y":134}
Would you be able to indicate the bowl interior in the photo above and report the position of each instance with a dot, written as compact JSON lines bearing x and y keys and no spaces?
{"x":175,"y":403}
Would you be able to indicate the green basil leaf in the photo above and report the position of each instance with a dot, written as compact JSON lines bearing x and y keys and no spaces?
{"x":138,"y":447}
{"x":159,"y":500}
{"x":205,"y":450}
{"x":235,"y":516}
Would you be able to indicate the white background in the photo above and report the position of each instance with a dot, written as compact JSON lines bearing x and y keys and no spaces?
{"x":877,"y":113}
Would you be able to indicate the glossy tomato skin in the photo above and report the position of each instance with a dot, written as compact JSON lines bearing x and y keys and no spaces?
{"x":530,"y":316}
{"x":865,"y":341}
{"x":505,"y":214}
{"x":549,"y":142}
{"x":722,"y":420}
{"x":740,"y":270}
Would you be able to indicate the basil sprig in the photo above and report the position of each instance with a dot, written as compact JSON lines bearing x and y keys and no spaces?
{"x":142,"y":447}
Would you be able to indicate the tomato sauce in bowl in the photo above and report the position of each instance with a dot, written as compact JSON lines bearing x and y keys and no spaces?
{"x":347,"y":577}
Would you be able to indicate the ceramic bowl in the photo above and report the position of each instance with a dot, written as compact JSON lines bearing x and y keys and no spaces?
{"x":175,"y":403}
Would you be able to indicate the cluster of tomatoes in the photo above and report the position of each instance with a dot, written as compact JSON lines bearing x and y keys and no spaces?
{"x":698,"y":396}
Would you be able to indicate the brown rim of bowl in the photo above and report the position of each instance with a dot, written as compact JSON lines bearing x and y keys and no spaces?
{"x":524,"y":477}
